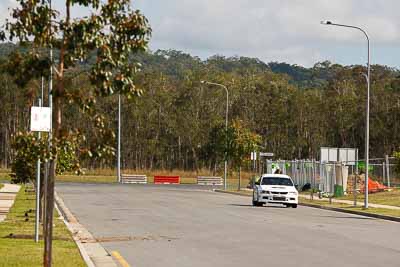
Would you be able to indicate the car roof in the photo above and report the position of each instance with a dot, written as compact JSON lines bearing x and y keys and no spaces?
{"x":275,"y":175}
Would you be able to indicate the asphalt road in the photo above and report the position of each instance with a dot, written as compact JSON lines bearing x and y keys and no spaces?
{"x":172,"y":226}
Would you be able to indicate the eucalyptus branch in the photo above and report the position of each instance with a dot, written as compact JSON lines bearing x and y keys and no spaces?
{"x":56,"y":71}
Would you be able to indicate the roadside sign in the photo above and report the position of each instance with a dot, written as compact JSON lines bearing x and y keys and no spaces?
{"x":266,"y":154}
{"x":348,"y":155}
{"x":334,"y":154}
{"x":40,"y":119}
{"x":253,"y":155}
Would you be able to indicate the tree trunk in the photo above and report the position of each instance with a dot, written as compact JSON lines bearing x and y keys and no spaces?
{"x":215,"y":167}
{"x":179,"y":153}
{"x":56,"y":116}
{"x":240,"y":170}
{"x":195,"y":162}
{"x":49,"y":215}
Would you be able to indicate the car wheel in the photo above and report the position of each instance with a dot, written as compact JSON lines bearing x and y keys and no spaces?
{"x":294,"y":206}
{"x":256,"y":203}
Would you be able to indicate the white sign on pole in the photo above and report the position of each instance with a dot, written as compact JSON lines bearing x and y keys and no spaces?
{"x":253,"y":155}
{"x":342,"y":155}
{"x":40,"y":119}
{"x":333,"y":154}
{"x":351,"y":156}
{"x":324,"y":154}
{"x":347,"y":155}
{"x":329,"y":154}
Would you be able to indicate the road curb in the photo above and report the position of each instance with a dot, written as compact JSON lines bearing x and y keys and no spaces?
{"x":92,"y":252}
{"x":366,"y":214}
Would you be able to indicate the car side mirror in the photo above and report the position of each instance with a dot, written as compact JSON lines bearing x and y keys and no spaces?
{"x":296,"y":186}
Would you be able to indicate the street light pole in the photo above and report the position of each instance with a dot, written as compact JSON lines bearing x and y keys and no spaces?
{"x":38,"y":206}
{"x":226,"y":126}
{"x":367,"y":76}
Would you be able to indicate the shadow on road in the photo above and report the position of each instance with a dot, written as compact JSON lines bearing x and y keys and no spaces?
{"x":249,"y":205}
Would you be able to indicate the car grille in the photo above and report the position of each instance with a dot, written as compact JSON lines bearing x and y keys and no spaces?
{"x":279,"y":193}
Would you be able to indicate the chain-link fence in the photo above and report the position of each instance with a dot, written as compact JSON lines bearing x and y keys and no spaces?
{"x":307,"y":174}
{"x":394,"y":172}
{"x":328,"y":178}
{"x":385,"y":170}
{"x":336,"y":178}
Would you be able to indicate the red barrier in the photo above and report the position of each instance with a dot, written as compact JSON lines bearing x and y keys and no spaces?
{"x":161,"y":179}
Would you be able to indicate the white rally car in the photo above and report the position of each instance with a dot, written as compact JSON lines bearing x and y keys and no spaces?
{"x":275,"y":188}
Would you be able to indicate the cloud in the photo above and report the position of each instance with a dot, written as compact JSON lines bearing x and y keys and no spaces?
{"x":5,"y":9}
{"x":272,"y":30}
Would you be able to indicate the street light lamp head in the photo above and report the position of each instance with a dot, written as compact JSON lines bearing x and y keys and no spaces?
{"x":326,"y":22}
{"x":203,"y":82}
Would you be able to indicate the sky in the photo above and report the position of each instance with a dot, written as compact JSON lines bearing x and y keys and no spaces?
{"x":271,"y":30}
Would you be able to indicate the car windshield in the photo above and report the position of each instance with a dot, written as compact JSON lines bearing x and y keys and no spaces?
{"x":276,"y":181}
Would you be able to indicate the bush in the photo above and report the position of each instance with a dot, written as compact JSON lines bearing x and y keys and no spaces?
{"x":28,"y":149}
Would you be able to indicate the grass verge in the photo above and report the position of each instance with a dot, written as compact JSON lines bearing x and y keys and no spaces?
{"x":187,"y":177}
{"x":387,"y":212}
{"x":21,"y":250}
{"x":1,"y":185}
{"x":108,"y":176}
{"x":391,"y":198}
{"x":5,"y":177}
{"x":232,"y":183}
{"x":86,"y":178}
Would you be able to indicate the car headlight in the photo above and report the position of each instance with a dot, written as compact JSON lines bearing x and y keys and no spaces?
{"x":293,"y":193}
{"x":265,"y":192}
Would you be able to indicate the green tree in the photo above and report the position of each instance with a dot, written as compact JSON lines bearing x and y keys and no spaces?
{"x":241,"y":142}
{"x":113,"y":31}
{"x":295,"y":110}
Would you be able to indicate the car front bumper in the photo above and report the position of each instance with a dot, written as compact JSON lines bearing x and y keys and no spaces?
{"x":278,"y":199}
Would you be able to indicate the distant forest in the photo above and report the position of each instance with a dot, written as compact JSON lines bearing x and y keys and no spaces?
{"x":295,"y":110}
